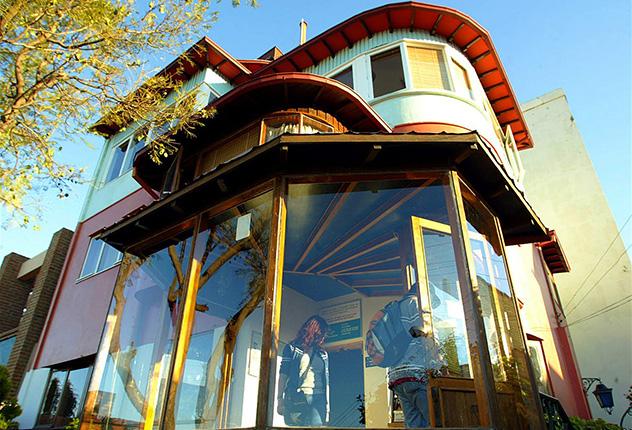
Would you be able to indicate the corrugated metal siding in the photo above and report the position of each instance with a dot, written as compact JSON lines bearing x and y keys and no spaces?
{"x":364,"y":45}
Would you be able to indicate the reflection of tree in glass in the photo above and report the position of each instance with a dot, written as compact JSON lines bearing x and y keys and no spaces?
{"x":52,"y":398}
{"x":69,"y":402}
{"x":249,"y":256}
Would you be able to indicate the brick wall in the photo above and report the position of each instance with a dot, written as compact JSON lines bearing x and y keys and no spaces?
{"x":13,"y":292}
{"x":37,"y":306}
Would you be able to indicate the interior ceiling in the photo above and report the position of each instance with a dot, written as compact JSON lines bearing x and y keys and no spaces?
{"x":351,"y":237}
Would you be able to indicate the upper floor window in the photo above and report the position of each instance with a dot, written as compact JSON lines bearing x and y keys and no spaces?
{"x":346,"y":77}
{"x":100,"y":256}
{"x":123,"y":157}
{"x":462,"y":84}
{"x":427,"y":68}
{"x":387,"y":72}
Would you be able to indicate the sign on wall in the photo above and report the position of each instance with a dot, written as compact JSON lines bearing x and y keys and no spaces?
{"x":345,"y":321}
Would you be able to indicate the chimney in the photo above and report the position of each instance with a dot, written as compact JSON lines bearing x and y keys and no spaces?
{"x":303,"y":27}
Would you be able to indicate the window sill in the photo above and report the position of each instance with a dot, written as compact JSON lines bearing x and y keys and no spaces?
{"x":91,"y":275}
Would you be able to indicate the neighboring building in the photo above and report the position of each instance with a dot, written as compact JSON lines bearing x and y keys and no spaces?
{"x":378,"y":156}
{"x":563,"y":187}
{"x":26,"y":288}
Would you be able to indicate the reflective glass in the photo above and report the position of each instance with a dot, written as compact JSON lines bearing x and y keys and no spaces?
{"x":72,"y":396}
{"x":6,"y":345}
{"x":346,"y":77}
{"x":117,"y":161}
{"x":357,"y":254}
{"x":502,"y":327}
{"x":387,"y":72}
{"x":52,"y":397}
{"x":109,"y":257}
{"x":133,"y":362}
{"x":92,"y":257}
{"x":219,"y":374}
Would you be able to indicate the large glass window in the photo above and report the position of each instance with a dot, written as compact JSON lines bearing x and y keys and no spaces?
{"x":6,"y":345}
{"x":218,"y":376}
{"x":64,"y":397}
{"x":387,"y":72}
{"x":356,"y":254}
{"x":132,"y":367}
{"x":502,"y":326}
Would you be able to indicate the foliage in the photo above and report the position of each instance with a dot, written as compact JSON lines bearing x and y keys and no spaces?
{"x":9,"y":408}
{"x":72,"y":425}
{"x":64,"y":62}
{"x":598,"y":424}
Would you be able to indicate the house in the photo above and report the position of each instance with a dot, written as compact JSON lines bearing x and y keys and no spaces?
{"x":378,"y":159}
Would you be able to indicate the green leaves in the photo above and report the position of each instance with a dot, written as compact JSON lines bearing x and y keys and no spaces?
{"x":65,"y":63}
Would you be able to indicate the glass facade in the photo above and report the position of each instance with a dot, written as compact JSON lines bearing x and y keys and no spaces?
{"x":64,"y":397}
{"x":277,"y":310}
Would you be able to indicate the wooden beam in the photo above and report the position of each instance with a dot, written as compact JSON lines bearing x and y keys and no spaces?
{"x":375,"y":150}
{"x":311,"y":57}
{"x":332,"y":54}
{"x":412,"y":20}
{"x":328,"y":216}
{"x":470,"y":44}
{"x":480,"y":57}
{"x":451,"y":38}
{"x":366,"y":28}
{"x":487,"y":73}
{"x":346,"y":38}
{"x":436,"y":25}
{"x":362,"y":266}
{"x":499,"y":99}
{"x":371,"y":220}
{"x":491,"y":87}
{"x":293,"y":63}
{"x":361,"y":253}
{"x":389,"y":21}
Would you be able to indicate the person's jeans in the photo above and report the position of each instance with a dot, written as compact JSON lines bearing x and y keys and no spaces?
{"x":414,"y":400}
{"x":313,"y":414}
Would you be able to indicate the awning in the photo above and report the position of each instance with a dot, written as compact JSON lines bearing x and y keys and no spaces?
{"x":554,"y":254}
{"x":340,"y":153}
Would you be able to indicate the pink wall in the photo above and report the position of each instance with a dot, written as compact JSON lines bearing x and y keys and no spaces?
{"x":77,"y":314}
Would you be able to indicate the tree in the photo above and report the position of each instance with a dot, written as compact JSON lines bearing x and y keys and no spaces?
{"x":9,"y":408}
{"x":64,"y":62}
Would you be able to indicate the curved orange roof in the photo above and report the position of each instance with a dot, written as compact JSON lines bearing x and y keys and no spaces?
{"x":269,"y":93}
{"x":459,"y":29}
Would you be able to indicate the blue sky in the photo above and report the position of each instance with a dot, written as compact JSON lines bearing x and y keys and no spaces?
{"x":583,"y":47}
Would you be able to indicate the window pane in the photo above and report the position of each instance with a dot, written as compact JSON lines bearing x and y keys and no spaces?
{"x":502,"y":327}
{"x":134,"y":357}
{"x":312,"y":126}
{"x":129,"y":160}
{"x":346,"y":77}
{"x":387,"y":72}
{"x":72,"y":396}
{"x":109,"y":257}
{"x":427,"y":68}
{"x":117,"y":161}
{"x":6,"y":345}
{"x":352,"y":252}
{"x":220,"y":380}
{"x":538,"y":363}
{"x":52,"y":398}
{"x":462,"y":81}
{"x":92,"y":257}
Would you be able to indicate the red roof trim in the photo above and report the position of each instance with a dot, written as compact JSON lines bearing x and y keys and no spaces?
{"x":473,"y":40}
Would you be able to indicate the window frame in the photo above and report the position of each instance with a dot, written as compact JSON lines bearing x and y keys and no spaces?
{"x":445,"y":57}
{"x":96,"y":271}
{"x":454,"y":70}
{"x":401,"y":45}
{"x":81,"y":401}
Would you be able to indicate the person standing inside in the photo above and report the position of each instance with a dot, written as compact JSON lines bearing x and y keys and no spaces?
{"x":418,"y":360}
{"x":303,"y":397}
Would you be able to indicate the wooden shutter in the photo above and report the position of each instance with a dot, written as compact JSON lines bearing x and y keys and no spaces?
{"x":427,"y":68}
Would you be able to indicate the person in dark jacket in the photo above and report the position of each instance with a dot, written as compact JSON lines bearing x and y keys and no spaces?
{"x":303,"y":397}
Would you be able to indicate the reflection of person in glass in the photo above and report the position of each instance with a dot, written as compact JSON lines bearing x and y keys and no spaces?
{"x":303,"y":397}
{"x":421,"y":360}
